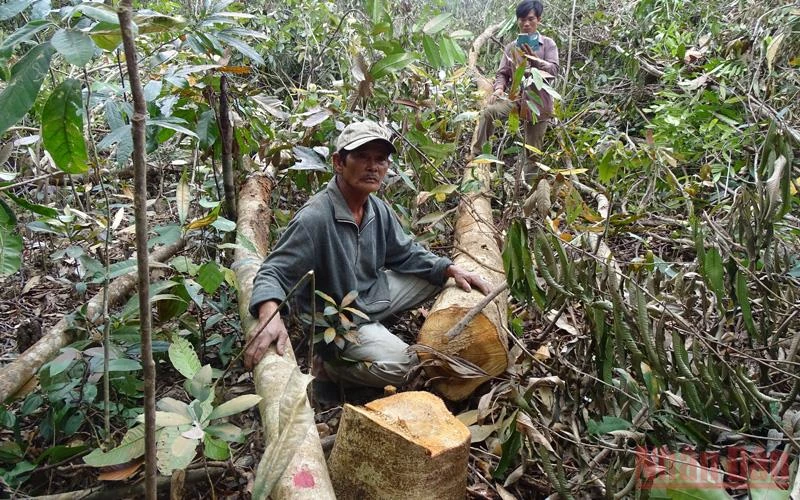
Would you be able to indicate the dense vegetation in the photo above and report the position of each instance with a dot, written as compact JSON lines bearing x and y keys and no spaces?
{"x":656,"y":297}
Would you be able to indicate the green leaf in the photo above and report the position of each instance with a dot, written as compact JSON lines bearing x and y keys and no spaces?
{"x":216,"y":449}
{"x":21,"y":35}
{"x":174,"y":450}
{"x":762,"y":487}
{"x":33,"y":207}
{"x":172,"y":123}
{"x":327,"y":298}
{"x":437,"y":24}
{"x":210,"y":277}
{"x":107,"y":35}
{"x":235,"y":405}
{"x":122,"y":365}
{"x":609,"y":424}
{"x":714,"y":272}
{"x":183,"y":357}
{"x":172,"y":405}
{"x":131,"y":447}
{"x":226,"y":431}
{"x":376,"y":9}
{"x":391,"y":64}
{"x":10,"y":251}
{"x":329,"y":335}
{"x":62,"y":128}
{"x":431,"y":50}
{"x":12,"y":8}
{"x":183,"y":197}
{"x":207,"y":129}
{"x":27,"y":76}
{"x":168,"y":418}
{"x":76,"y":46}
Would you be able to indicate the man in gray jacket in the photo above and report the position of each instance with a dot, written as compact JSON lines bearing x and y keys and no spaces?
{"x":353,"y":241}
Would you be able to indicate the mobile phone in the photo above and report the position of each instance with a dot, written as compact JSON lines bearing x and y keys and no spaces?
{"x":530,"y":39}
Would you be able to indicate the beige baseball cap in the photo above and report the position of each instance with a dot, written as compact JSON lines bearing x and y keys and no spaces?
{"x":357,"y":134}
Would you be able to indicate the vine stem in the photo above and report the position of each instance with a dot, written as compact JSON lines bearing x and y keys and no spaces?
{"x":138,"y":122}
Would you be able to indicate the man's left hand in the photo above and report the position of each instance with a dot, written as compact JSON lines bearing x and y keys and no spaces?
{"x":466,"y":280}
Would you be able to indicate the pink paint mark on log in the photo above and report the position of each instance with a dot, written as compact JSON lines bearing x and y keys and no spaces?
{"x":304,"y":479}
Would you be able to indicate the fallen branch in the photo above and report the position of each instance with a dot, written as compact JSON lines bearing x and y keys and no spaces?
{"x":135,"y":490}
{"x":293,"y":464}
{"x":17,"y":374}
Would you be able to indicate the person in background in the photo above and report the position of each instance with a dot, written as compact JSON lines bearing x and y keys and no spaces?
{"x":353,"y":241}
{"x":535,"y":106}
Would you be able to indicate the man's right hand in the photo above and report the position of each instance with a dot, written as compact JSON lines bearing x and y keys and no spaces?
{"x":265,"y":334}
{"x":493,"y":97}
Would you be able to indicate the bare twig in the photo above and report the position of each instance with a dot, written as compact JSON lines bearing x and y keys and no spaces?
{"x":459,"y":327}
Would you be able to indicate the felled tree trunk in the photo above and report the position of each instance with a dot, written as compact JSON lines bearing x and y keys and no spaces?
{"x":483,"y":340}
{"x":20,"y":372}
{"x":403,"y":446}
{"x":293,"y":465}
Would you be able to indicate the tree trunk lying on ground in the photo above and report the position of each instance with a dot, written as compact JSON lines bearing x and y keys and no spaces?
{"x":21,"y":370}
{"x":293,"y":465}
{"x":403,"y":446}
{"x":483,"y":341}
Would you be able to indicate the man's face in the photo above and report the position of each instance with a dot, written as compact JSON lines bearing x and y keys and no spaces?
{"x":363,"y":169}
{"x":529,"y":23}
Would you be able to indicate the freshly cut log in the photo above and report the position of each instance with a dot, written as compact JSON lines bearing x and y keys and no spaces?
{"x":293,"y":465}
{"x":403,"y":446}
{"x":21,"y":371}
{"x":483,"y":340}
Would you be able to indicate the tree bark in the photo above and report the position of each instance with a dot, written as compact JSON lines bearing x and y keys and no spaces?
{"x":21,"y":371}
{"x":403,"y":446}
{"x":293,"y":465}
{"x":138,"y":131}
{"x":226,"y":133}
{"x":483,"y":340}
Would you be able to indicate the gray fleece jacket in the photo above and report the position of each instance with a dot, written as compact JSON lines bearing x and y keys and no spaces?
{"x":323,"y":236}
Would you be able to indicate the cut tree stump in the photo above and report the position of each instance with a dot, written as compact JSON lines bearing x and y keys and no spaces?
{"x":483,"y":340}
{"x":293,"y":465}
{"x":404,"y":446}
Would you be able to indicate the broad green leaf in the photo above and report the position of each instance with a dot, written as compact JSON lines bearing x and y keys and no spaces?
{"x":174,"y":406}
{"x":762,"y":487}
{"x":391,"y":64}
{"x":12,"y":8}
{"x":216,"y":449}
{"x":122,"y":365}
{"x":33,"y":207}
{"x":183,"y":197}
{"x":324,"y":296}
{"x":235,"y":405}
{"x":607,"y":425}
{"x":431,"y":50}
{"x":21,"y":35}
{"x":62,"y":128}
{"x":183,"y":357}
{"x":376,"y":10}
{"x":210,"y":277}
{"x":437,"y":24}
{"x":743,"y":298}
{"x":714,"y":272}
{"x":172,"y":123}
{"x":132,"y":447}
{"x":98,"y":12}
{"x":10,"y":251}
{"x":446,"y":53}
{"x":75,"y":46}
{"x":27,"y":76}
{"x":107,"y":35}
{"x":207,"y":129}
{"x":226,"y":431}
{"x":174,"y":450}
{"x":167,"y":419}
{"x":242,"y":47}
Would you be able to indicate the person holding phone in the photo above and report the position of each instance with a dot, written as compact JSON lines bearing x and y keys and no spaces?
{"x":535,"y":105}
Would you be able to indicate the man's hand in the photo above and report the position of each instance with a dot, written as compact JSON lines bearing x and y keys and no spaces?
{"x":265,"y":334}
{"x":466,"y":280}
{"x":493,"y":97}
